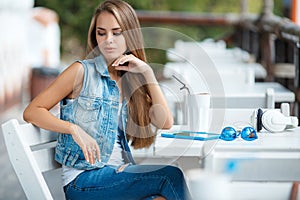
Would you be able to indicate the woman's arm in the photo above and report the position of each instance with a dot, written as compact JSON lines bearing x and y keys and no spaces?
{"x":160,"y":113}
{"x":37,"y":112}
{"x":68,"y":84}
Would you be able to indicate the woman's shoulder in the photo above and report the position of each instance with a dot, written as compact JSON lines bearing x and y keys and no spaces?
{"x":80,"y":66}
{"x":74,"y":68}
{"x":73,"y":73}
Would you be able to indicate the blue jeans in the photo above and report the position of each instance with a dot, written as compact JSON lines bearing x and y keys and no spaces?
{"x":134,"y":182}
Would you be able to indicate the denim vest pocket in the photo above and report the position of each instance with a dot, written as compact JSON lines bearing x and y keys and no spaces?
{"x":66,"y":109}
{"x":88,"y":109}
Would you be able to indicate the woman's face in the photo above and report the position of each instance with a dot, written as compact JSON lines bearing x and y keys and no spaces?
{"x":109,"y":36}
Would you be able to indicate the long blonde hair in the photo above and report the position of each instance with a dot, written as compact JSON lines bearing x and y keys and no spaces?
{"x":134,"y":87}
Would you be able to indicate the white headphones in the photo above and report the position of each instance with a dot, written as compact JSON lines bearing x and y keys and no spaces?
{"x":272,"y":120}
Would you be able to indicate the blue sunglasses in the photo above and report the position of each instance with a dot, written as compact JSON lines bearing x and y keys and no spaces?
{"x":247,"y":133}
{"x":228,"y":134}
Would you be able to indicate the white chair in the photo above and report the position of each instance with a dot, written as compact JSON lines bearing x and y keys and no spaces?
{"x":31,"y":152}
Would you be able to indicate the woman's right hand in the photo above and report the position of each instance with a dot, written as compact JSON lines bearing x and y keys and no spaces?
{"x":88,"y":144}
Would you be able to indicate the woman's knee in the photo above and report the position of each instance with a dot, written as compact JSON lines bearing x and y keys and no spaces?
{"x":174,"y":171}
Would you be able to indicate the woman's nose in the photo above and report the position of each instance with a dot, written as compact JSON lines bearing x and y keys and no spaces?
{"x":109,"y":38}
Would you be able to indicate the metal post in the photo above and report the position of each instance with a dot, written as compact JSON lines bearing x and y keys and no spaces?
{"x":244,"y":7}
{"x":244,"y":40}
{"x":266,"y":39}
{"x":297,"y":77}
{"x":266,"y":54}
{"x":297,"y":64}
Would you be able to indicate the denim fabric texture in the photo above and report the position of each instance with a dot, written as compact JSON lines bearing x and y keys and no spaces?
{"x":95,"y":110}
{"x":135,"y":182}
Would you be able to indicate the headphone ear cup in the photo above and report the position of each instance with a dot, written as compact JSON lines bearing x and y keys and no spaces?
{"x":268,"y":118}
{"x":259,"y":119}
{"x":255,"y":119}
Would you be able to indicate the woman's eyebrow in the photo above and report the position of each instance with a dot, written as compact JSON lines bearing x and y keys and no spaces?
{"x":114,"y":29}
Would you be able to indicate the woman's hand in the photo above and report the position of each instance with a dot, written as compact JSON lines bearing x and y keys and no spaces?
{"x":88,"y":144}
{"x":159,"y":104}
{"x":133,"y":64}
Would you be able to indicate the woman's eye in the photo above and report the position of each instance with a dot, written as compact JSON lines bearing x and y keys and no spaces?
{"x":118,"y":33}
{"x":101,"y":34}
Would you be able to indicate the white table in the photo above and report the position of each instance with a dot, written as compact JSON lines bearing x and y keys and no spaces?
{"x":199,"y":75}
{"x":260,"y":94}
{"x":272,"y":157}
{"x":176,"y":148}
{"x":214,"y":54}
{"x":207,"y":66}
{"x":183,"y":153}
{"x":264,"y":168}
{"x":282,"y":94}
{"x":232,"y":96}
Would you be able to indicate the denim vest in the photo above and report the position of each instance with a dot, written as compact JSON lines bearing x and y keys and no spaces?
{"x":95,"y":110}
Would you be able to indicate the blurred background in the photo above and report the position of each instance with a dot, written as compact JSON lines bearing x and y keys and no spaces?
{"x":52,"y":33}
{"x":75,"y":17}
{"x":38,"y":39}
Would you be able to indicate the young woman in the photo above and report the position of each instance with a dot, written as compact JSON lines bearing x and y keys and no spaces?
{"x":107,"y":100}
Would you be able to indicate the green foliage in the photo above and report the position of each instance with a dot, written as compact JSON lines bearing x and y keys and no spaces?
{"x":209,"y":6}
{"x":278,"y":8}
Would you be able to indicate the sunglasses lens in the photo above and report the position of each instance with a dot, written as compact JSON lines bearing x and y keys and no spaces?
{"x":228,"y":133}
{"x":249,"y":133}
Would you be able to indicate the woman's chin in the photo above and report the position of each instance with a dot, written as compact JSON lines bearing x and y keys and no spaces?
{"x":111,"y":57}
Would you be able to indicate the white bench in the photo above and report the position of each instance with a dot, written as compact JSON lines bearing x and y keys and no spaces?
{"x":31,"y":152}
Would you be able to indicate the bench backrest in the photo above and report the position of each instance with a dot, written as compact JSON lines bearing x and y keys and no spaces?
{"x":31,"y":152}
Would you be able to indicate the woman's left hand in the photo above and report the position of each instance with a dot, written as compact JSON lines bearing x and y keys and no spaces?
{"x":131,"y":63}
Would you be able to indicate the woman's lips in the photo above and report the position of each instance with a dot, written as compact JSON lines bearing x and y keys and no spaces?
{"x":109,"y":49}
